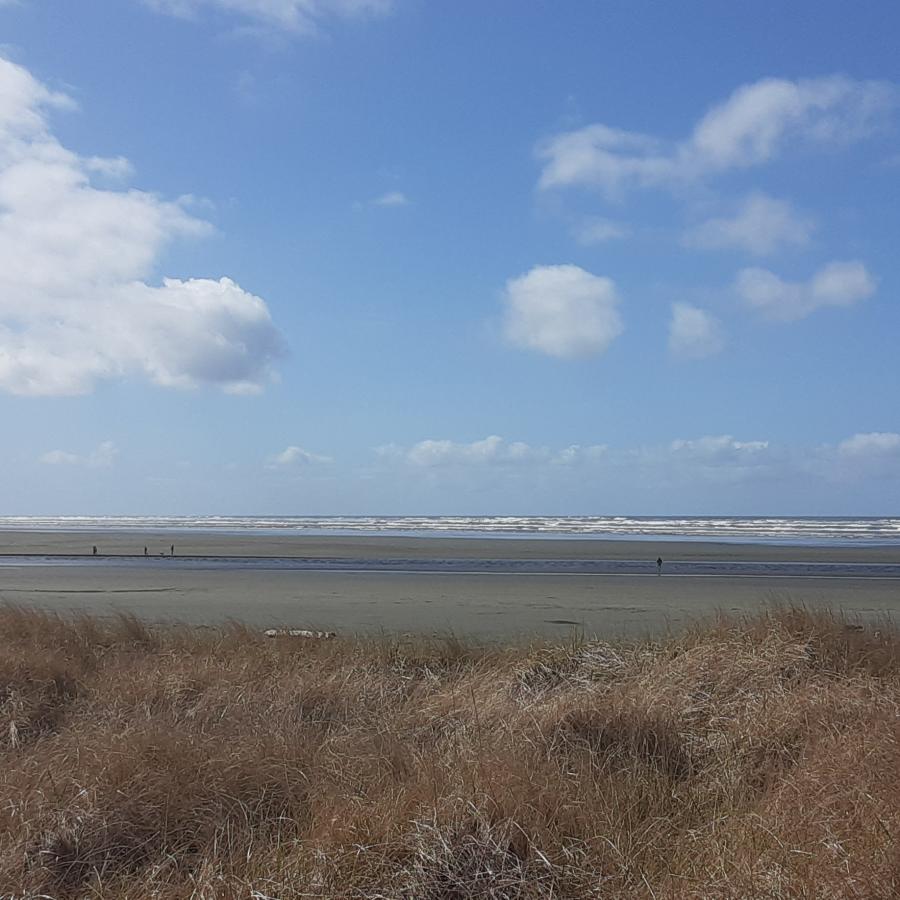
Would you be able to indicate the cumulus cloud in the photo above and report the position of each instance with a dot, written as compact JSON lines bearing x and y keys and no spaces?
{"x":75,"y":303}
{"x":871,"y":445}
{"x":864,"y":455}
{"x":839,"y":284}
{"x":392,"y":198}
{"x":694,"y":333}
{"x":600,"y":231}
{"x":101,"y":457}
{"x":576,"y":454}
{"x":491,"y":451}
{"x":720,"y":458}
{"x":762,"y":225}
{"x":718,"y":449}
{"x":562,"y":311}
{"x":297,"y":456}
{"x":293,"y":16}
{"x":751,"y":127}
{"x":716,"y":459}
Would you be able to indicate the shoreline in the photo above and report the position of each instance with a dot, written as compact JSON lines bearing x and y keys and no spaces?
{"x":28,"y":542}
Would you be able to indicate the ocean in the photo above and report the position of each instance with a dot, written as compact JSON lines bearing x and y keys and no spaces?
{"x":801,"y":530}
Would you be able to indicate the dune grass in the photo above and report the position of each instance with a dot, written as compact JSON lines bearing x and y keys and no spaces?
{"x":758,"y":758}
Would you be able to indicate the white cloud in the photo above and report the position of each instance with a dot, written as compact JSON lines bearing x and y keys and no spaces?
{"x":840,"y":284}
{"x":604,"y":157}
{"x":295,"y":16}
{"x":392,"y":198}
{"x":75,"y":306}
{"x":116,"y":168}
{"x":576,"y":454}
{"x":715,"y":459}
{"x":761,"y":226}
{"x":102,"y":457}
{"x":297,"y":456}
{"x":711,"y":460}
{"x":599,"y":231}
{"x":694,"y":333}
{"x":872,"y":445}
{"x":750,"y":128}
{"x":719,"y":450}
{"x":874,"y":454}
{"x":562,"y":311}
{"x":491,"y":451}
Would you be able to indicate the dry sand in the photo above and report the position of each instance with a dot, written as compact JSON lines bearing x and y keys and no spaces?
{"x":476,"y":605}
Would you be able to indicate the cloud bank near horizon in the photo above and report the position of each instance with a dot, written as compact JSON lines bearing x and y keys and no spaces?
{"x":719,"y":458}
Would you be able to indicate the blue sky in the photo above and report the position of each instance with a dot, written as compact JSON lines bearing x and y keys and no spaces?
{"x":390,"y":256}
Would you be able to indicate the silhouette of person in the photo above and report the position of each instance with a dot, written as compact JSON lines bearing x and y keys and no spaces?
{"x":659,"y":565}
{"x":145,"y":551}
{"x":172,"y":550}
{"x":95,"y":549}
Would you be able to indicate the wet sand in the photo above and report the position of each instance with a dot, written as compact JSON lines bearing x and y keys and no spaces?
{"x":18,"y":543}
{"x":480,"y":605}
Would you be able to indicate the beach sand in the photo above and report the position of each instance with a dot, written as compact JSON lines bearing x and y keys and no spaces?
{"x":383,"y":547}
{"x":481,"y":606}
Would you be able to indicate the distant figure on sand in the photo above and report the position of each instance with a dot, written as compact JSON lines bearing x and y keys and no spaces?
{"x":95,"y":549}
{"x":659,"y":565}
{"x":172,"y":550}
{"x":145,"y":551}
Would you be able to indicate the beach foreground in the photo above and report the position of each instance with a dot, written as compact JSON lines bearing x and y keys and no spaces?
{"x":756,"y":758}
{"x":479,"y":604}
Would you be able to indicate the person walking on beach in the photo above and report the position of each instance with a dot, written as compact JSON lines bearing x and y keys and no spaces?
{"x":172,"y":550}
{"x":659,"y":565}
{"x":145,"y":551}
{"x":95,"y":550}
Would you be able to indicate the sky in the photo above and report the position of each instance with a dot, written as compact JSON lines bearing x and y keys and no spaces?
{"x":295,"y":257}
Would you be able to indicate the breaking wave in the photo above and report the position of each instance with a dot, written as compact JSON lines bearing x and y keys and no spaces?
{"x":717,"y":528}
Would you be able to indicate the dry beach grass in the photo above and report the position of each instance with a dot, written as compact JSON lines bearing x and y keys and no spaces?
{"x":755,"y":758}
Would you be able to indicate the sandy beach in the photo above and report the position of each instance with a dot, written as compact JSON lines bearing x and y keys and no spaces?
{"x":479,"y":605}
{"x":267,"y":544}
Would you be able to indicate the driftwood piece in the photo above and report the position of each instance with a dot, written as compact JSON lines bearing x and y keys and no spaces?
{"x":299,"y":633}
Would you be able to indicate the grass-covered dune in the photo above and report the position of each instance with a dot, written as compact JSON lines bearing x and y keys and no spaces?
{"x":741,"y":759}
